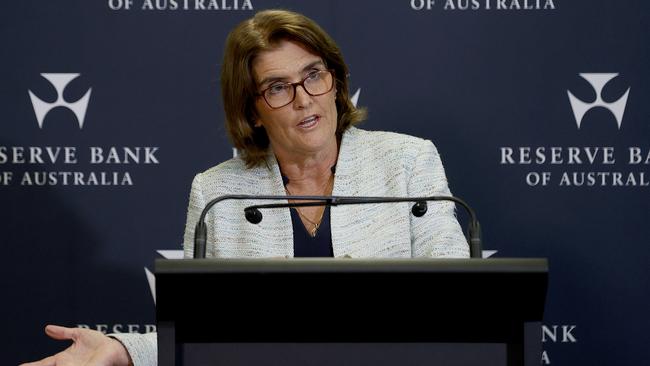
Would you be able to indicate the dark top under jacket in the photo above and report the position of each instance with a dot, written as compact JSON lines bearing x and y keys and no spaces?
{"x":303,"y":244}
{"x":306,"y":246}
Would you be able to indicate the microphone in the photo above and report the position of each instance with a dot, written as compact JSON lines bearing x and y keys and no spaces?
{"x":418,"y":210}
{"x":253,"y":216}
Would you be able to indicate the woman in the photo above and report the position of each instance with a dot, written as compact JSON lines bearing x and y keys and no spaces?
{"x":285,"y":90}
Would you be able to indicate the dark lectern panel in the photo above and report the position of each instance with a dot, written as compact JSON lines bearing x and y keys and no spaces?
{"x":491,"y":297}
{"x":366,"y":311}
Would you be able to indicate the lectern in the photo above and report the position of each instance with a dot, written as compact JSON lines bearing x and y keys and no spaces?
{"x":351,"y":302}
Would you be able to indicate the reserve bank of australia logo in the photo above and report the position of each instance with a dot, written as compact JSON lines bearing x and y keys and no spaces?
{"x":60,"y":81}
{"x":598,"y":82}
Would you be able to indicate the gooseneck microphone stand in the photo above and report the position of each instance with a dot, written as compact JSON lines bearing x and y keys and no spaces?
{"x":254,"y":216}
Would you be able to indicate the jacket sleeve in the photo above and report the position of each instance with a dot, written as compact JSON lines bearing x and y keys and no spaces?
{"x":437,"y":233}
{"x":143,"y":348}
{"x":194,"y":209}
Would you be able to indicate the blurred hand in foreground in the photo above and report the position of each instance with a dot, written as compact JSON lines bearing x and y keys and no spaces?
{"x":89,"y":347}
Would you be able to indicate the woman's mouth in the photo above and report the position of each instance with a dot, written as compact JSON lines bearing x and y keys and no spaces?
{"x":309,"y":122}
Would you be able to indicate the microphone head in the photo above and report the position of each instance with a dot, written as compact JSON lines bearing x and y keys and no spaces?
{"x":419,"y":209}
{"x":253,"y":215}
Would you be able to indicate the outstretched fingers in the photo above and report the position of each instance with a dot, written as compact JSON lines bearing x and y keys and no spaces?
{"x":61,"y":333}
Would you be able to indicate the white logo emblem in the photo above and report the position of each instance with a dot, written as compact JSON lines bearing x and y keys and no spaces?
{"x":598,"y":81}
{"x":60,"y":81}
{"x":355,"y":98}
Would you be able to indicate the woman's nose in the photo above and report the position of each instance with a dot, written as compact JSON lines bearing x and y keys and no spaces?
{"x":302,"y":98}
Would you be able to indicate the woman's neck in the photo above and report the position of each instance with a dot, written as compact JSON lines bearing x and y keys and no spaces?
{"x":308,"y":170}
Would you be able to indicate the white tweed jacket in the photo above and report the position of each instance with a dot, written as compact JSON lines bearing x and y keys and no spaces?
{"x":369,"y":164}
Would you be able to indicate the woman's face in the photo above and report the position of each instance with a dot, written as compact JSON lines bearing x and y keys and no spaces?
{"x":306,"y":125}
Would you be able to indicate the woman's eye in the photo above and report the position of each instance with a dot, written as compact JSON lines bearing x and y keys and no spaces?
{"x":278,"y":88}
{"x":314,"y":75}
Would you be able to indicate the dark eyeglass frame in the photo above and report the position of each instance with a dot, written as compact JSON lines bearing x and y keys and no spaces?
{"x":295,"y":85}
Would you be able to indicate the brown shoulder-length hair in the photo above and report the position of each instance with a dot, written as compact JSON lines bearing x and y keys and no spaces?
{"x":261,"y":33}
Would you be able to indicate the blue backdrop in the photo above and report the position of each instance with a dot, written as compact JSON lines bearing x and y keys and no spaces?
{"x":487,"y":81}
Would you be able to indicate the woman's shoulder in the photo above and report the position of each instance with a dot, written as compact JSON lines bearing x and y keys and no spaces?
{"x":235,"y":165}
{"x":223,"y":172}
{"x":381,"y":142}
{"x":233,"y":175}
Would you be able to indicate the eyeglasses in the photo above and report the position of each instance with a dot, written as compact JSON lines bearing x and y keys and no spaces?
{"x":315,"y":83}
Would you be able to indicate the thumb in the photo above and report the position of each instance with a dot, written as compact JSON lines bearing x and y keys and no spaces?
{"x":60,"y":333}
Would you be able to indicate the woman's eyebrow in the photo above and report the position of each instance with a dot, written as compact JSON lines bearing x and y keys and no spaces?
{"x":311,"y":65}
